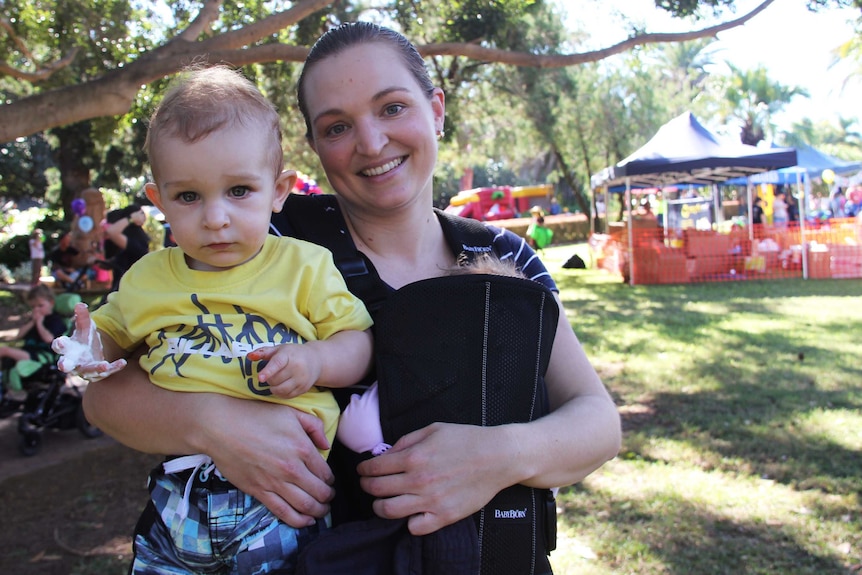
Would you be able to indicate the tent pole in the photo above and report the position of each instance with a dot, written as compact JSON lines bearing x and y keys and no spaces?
{"x":607,"y":224}
{"x":748,"y":189}
{"x":631,"y":248}
{"x":719,"y":214}
{"x":800,"y":200}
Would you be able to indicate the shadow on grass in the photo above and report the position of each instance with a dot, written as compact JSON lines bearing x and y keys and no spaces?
{"x":764,"y":442}
{"x":677,"y":537}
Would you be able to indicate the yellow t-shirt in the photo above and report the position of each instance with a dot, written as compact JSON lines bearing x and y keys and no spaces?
{"x":198,"y":326}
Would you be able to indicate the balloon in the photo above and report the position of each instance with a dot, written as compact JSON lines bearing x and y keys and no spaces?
{"x":79,"y":207}
{"x":828,"y":176}
{"x":85,"y":224}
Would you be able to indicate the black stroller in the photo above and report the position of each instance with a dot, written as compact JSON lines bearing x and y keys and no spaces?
{"x":52,"y":401}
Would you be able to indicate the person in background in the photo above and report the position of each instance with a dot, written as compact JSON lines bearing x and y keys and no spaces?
{"x":659,"y":211}
{"x":539,"y":235}
{"x":130,"y":241}
{"x":36,"y":336}
{"x":37,"y":256}
{"x":757,"y":211}
{"x":792,"y":208}
{"x":373,"y":117}
{"x":66,"y":273}
{"x":779,"y":210}
{"x":836,"y":203}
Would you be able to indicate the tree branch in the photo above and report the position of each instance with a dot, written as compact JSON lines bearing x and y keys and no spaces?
{"x":481,"y":53}
{"x":114,"y":93}
{"x":208,"y":14}
{"x":40,"y":74}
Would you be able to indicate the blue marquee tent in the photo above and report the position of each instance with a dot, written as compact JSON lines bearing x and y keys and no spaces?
{"x":685,"y":152}
{"x":810,"y":165}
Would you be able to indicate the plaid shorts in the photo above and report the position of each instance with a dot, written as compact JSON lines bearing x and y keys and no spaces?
{"x":225,"y":532}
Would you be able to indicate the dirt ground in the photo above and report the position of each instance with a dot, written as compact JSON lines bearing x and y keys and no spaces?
{"x":70,"y":509}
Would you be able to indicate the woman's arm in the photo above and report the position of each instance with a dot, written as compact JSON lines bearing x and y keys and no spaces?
{"x":114,"y":232}
{"x":267,"y":450}
{"x":445,"y":472}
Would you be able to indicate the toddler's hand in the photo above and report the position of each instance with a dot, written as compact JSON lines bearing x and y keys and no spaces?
{"x":290,"y":369}
{"x":82,"y":354}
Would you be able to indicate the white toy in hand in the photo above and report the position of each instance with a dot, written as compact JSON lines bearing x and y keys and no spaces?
{"x":82,"y":353}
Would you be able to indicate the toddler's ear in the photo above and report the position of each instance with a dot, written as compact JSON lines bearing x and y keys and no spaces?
{"x":283,"y":186}
{"x":152,"y":191}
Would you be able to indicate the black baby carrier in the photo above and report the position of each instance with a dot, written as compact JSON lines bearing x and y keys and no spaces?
{"x":469,"y":349}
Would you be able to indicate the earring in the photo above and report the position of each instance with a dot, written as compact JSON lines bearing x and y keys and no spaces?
{"x":440,"y":134}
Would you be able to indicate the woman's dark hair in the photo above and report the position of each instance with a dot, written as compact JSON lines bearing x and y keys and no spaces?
{"x":344,"y":36}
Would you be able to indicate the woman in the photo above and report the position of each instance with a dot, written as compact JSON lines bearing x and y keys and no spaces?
{"x":373,"y":118}
{"x":126,"y":241}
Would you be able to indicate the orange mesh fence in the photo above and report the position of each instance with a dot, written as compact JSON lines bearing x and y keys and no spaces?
{"x":834,"y":250}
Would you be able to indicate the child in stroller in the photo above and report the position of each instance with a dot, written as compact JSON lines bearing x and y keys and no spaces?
{"x":30,"y":381}
{"x":36,"y":336}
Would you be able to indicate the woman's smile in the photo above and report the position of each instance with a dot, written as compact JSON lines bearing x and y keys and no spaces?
{"x":388,"y":166}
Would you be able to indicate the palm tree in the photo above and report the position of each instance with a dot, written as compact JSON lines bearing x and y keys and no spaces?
{"x":685,"y":63}
{"x":752,"y":98}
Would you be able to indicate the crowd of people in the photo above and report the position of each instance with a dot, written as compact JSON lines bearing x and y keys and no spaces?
{"x":846,"y":205}
{"x":121,"y":242}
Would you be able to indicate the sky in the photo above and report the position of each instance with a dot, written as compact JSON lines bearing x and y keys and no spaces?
{"x":794,"y":44}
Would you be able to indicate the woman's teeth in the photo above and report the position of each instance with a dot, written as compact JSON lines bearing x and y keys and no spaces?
{"x":384,"y":168}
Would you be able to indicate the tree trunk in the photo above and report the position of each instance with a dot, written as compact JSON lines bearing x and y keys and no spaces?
{"x":73,"y":157}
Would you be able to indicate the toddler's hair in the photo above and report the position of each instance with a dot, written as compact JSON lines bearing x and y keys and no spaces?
{"x":202,"y":100}
{"x":40,"y":291}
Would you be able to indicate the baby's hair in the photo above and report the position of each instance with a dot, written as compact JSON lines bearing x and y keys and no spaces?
{"x":485,"y":264}
{"x":203,"y":99}
{"x":40,"y":291}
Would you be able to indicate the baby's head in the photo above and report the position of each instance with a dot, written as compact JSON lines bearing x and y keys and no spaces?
{"x":486,"y":264}
{"x":202,"y":100}
{"x":214,"y":145}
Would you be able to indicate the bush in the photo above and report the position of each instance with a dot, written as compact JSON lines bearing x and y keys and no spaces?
{"x":14,"y":252}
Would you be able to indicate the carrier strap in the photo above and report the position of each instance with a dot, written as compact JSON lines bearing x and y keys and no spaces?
{"x":318,"y":219}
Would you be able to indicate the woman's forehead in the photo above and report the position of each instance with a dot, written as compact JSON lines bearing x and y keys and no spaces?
{"x":370,"y":62}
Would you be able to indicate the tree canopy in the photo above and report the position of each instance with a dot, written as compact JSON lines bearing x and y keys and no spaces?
{"x":218,"y":33}
{"x":523,"y":104}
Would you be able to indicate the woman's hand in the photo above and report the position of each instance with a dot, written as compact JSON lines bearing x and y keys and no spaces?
{"x":267,"y":450}
{"x":270,"y":451}
{"x":437,"y":475}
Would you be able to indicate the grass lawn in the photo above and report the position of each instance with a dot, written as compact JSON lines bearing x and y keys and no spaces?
{"x":743,"y":432}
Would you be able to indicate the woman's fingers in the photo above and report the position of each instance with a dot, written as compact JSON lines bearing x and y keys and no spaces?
{"x":434,"y":476}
